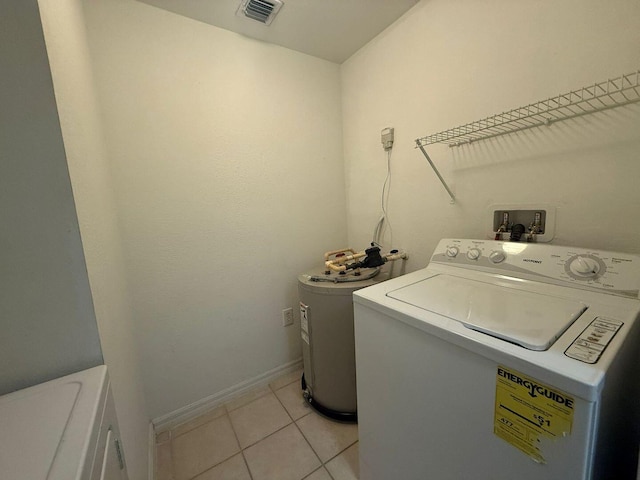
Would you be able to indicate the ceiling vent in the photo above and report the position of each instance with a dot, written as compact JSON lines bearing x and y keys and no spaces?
{"x":263,"y":11}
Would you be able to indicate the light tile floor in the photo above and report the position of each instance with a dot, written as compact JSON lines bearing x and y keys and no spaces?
{"x":270,"y":433}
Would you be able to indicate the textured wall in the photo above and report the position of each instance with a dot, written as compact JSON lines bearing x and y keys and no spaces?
{"x":227,"y":161}
{"x":87,"y":156}
{"x":448,"y":63}
{"x":47,"y":324}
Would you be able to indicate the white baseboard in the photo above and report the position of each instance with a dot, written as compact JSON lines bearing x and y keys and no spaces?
{"x":184,"y":414}
{"x":152,"y":452}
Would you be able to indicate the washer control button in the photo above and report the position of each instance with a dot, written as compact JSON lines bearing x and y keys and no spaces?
{"x":473,"y":254}
{"x":497,"y":256}
{"x":585,"y":267}
{"x":452,"y":251}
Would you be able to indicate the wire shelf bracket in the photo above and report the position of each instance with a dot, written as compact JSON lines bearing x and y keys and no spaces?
{"x":444,"y":184}
{"x":614,"y":92}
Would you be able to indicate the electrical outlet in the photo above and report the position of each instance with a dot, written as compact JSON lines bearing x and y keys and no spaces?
{"x":287,"y":317}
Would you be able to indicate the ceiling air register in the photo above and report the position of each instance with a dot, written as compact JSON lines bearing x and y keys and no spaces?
{"x":263,"y":11}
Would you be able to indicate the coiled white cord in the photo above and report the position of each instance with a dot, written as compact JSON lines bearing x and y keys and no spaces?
{"x":384,"y":223}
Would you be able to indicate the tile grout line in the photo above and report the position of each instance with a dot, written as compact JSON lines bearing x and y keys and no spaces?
{"x":267,"y":436}
{"x":171,"y":438}
{"x":244,"y":459}
{"x":301,"y":433}
{"x":240,"y":450}
{"x":280,"y":401}
{"x":226,"y":412}
{"x":285,"y":385}
{"x":264,"y":438}
{"x":342,"y":451}
{"x":312,"y":449}
{"x":321,"y":467}
{"x":235,"y":434}
{"x":221,"y":461}
{"x":295,"y":422}
{"x":246,"y":464}
{"x":223,"y":406}
{"x":245,"y":404}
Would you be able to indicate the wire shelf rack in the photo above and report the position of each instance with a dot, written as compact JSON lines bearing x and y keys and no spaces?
{"x":600,"y":96}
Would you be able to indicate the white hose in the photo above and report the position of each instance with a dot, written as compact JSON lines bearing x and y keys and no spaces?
{"x":378,"y":232}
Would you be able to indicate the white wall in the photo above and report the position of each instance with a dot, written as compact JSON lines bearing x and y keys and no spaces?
{"x":87,"y":157}
{"x":47,"y":324}
{"x":448,"y":63}
{"x":227,"y":161}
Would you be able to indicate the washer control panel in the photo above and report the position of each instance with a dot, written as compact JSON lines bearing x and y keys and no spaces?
{"x":616,"y":273}
{"x":590,"y":345}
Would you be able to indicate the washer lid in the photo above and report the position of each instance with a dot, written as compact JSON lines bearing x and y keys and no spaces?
{"x":529,"y":319}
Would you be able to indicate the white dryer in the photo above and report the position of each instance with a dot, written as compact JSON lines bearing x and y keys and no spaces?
{"x":501,"y":361}
{"x":63,"y":429}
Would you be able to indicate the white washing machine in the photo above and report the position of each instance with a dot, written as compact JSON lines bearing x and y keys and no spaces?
{"x":64,"y":429}
{"x":501,"y":361}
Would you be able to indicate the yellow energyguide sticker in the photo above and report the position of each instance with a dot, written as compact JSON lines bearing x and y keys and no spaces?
{"x":526,"y":410}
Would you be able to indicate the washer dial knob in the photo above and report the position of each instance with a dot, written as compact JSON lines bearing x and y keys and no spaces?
{"x":473,"y":254}
{"x":452,"y":251}
{"x":497,"y":256}
{"x":585,"y":267}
